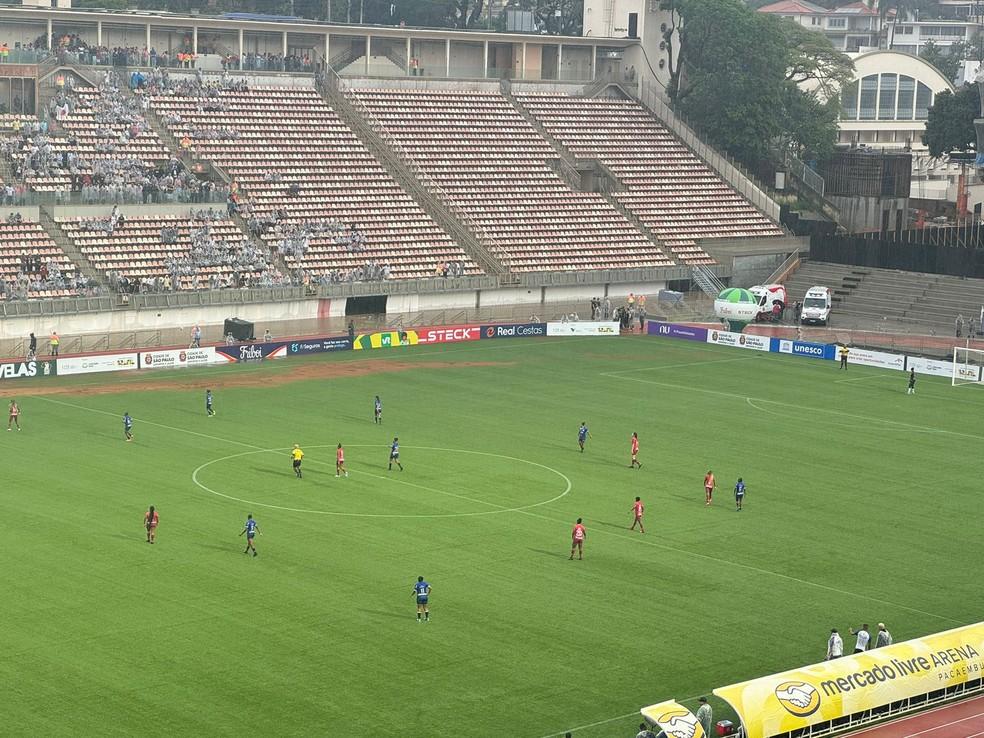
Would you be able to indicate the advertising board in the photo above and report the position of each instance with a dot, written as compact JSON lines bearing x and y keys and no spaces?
{"x":739,"y":340}
{"x":177,"y":358}
{"x":449,"y":334}
{"x":98,"y":363}
{"x":28,"y":369}
{"x":674,"y":330}
{"x":319,"y":345}
{"x":942,"y":368}
{"x":252,"y":351}
{"x":514,"y":330}
{"x":583,"y":328}
{"x":880,"y":359}
{"x":806,"y":348}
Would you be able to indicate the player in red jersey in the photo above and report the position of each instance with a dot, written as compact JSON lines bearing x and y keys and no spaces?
{"x":708,"y":487}
{"x":637,"y":510}
{"x":577,"y":540}
{"x":635,"y":452}
{"x":151,"y":519}
{"x":340,"y":461}
{"x":14,"y":416}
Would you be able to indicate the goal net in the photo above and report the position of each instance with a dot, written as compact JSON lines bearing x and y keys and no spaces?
{"x":967,"y":365}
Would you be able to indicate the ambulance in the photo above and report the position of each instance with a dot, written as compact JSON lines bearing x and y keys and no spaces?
{"x":816,"y":306}
{"x":767,"y":296}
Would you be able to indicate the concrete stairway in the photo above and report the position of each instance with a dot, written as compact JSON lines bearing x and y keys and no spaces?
{"x":65,"y":244}
{"x":889,"y":299}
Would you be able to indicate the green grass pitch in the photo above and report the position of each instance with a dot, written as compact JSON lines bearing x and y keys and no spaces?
{"x":863,"y":505}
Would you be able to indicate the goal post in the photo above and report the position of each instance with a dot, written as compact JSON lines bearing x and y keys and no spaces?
{"x":968,"y":364}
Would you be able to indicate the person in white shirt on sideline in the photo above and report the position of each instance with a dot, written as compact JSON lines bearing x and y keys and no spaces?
{"x":884,"y":638}
{"x":705,"y":716}
{"x":864,"y":637}
{"x":835,"y":645}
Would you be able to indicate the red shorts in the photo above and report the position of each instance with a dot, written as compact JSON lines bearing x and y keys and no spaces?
{"x":578,"y":542}
{"x":708,"y":490}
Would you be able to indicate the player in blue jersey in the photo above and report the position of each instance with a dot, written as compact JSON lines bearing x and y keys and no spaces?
{"x":127,"y":427}
{"x":395,"y":454}
{"x":377,"y":410}
{"x":739,"y":494}
{"x":250,"y":529}
{"x":582,"y":435}
{"x":421,"y":591}
{"x":209,"y":411}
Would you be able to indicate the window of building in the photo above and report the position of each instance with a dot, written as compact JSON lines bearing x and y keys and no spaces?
{"x":943,"y":31}
{"x":849,"y":102}
{"x":907,"y":89}
{"x":836,"y":22}
{"x":905,"y":48}
{"x":814,"y":21}
{"x":886,"y":97}
{"x":869,"y":97}
{"x":905,"y":30}
{"x":924,"y":98}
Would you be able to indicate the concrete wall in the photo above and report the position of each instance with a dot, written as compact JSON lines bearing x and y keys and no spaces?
{"x":27,"y":212}
{"x":754,"y":269}
{"x":167,"y":318}
{"x":467,"y":59}
{"x":860,"y":214}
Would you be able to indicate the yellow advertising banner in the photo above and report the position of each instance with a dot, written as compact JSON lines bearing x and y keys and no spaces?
{"x":674,"y":719}
{"x":385,"y":339}
{"x":814,"y":694}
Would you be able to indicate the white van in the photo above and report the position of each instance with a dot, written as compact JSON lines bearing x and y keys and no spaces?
{"x":816,"y":306}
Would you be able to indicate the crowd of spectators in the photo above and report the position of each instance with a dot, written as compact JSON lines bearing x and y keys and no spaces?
{"x":38,"y":275}
{"x":120,"y":178}
{"x":294,"y":241}
{"x":211,"y":262}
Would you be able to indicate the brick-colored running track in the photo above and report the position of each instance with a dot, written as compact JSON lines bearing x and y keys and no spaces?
{"x":963,"y":719}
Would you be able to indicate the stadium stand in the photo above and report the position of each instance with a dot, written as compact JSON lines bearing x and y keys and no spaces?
{"x":867,"y":297}
{"x":33,"y":266}
{"x":669,"y":189}
{"x":296,"y":163}
{"x":170,"y":252}
{"x":488,"y":160}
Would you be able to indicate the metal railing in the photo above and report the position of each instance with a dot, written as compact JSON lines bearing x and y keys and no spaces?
{"x":734,"y":173}
{"x":804,"y":173}
{"x":782,"y":272}
{"x":707,"y":281}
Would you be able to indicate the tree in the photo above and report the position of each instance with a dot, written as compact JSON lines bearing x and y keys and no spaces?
{"x":947,"y":59}
{"x":730,"y":74}
{"x":809,"y":122}
{"x":950,"y":126}
{"x":814,"y":60}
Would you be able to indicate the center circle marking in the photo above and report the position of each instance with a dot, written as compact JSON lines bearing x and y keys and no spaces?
{"x":202,"y":485}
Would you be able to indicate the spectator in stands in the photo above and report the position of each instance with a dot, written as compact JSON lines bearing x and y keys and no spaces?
{"x":959,"y":324}
{"x":797,"y":309}
{"x":607,"y":309}
{"x":835,"y":645}
{"x":705,"y":716}
{"x":884,"y":638}
{"x":641,"y":310}
{"x":196,"y":336}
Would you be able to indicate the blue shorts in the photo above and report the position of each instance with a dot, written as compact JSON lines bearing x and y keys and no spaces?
{"x":395,"y":456}
{"x":250,"y":536}
{"x":421,"y":600}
